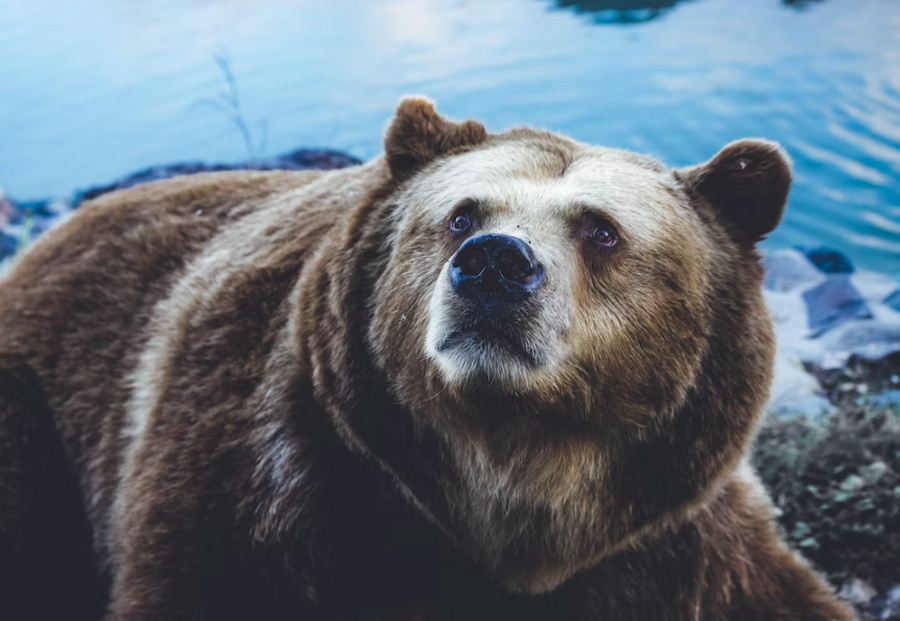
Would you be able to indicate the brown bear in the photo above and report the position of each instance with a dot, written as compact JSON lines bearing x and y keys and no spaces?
{"x":485,"y":376}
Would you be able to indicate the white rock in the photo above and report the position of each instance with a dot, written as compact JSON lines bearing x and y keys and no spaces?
{"x":788,"y":269}
{"x":796,"y":392}
{"x":872,"y":286}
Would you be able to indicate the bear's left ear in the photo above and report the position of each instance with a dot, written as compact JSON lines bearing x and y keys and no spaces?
{"x":418,"y":135}
{"x":747,"y":184}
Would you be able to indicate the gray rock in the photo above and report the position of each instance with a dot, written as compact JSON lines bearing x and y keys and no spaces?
{"x":874,"y":287}
{"x":857,"y":592}
{"x":830,"y":261}
{"x":885,"y":607}
{"x":866,"y":339}
{"x":8,"y":245}
{"x":893,"y":300}
{"x":789,"y":269}
{"x":833,"y":303}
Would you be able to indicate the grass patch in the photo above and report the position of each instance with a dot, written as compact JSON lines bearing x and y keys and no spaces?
{"x":837,"y":484}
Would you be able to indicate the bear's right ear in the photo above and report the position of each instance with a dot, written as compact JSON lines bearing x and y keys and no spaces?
{"x":747,"y":184}
{"x":418,"y":134}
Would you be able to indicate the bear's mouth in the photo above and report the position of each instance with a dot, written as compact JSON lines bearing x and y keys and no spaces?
{"x":482,"y":339}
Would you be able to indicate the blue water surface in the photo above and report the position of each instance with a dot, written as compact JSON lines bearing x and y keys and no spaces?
{"x":91,"y":90}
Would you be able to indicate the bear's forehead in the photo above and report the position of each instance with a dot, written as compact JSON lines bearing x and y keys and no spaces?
{"x":549,"y":186}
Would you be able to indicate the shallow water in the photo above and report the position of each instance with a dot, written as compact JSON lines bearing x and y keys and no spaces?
{"x":94,"y":89}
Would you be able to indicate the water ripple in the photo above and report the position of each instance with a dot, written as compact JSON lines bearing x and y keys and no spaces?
{"x":96,"y":89}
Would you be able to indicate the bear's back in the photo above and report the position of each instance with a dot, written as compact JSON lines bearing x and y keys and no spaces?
{"x":78,"y":309}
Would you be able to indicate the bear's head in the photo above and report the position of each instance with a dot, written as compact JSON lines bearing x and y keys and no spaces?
{"x":555,"y":349}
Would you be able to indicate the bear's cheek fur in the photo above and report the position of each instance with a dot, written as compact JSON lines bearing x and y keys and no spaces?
{"x":640,"y":332}
{"x":400,"y":307}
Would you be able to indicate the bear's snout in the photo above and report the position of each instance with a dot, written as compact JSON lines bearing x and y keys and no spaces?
{"x":493,"y":269}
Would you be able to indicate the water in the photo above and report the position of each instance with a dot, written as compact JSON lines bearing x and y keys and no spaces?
{"x":93,"y":89}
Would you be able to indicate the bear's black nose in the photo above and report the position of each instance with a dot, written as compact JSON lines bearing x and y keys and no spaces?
{"x":492,"y":269}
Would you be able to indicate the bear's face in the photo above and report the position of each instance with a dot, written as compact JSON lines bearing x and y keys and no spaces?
{"x":537,"y":266}
{"x":582,"y":326}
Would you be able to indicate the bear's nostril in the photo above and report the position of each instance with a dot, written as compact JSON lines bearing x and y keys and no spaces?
{"x":514,"y":265}
{"x":471,"y":260}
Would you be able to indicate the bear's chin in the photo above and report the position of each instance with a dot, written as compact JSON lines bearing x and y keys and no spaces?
{"x":486,"y":356}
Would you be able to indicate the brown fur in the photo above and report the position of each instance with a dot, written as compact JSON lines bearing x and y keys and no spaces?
{"x":231,"y":371}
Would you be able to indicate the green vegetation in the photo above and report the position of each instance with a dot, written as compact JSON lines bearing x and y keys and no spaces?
{"x":837,"y":483}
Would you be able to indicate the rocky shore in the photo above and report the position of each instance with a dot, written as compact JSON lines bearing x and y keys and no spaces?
{"x":829,"y":451}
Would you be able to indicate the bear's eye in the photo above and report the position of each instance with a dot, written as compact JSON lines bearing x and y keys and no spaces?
{"x":604,"y":236}
{"x":597,"y":230}
{"x":464,"y":217}
{"x":461,"y":223}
